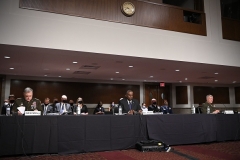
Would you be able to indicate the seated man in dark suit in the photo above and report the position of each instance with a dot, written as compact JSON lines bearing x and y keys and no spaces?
{"x":130,"y":105}
{"x":46,"y":106}
{"x":8,"y":105}
{"x":154,"y":107}
{"x":63,"y":107}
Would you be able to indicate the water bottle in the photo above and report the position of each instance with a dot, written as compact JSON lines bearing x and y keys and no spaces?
{"x":8,"y":111}
{"x":193,"y":109}
{"x":208,"y":110}
{"x":120,"y":110}
{"x":78,"y":110}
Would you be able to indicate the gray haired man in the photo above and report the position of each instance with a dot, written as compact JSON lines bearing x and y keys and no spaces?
{"x":30,"y":103}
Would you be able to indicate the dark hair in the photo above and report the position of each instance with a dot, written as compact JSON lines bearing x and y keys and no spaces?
{"x":11,"y":95}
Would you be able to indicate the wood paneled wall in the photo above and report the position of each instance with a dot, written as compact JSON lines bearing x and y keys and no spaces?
{"x":1,"y":81}
{"x":155,"y":91}
{"x":231,"y":29}
{"x":90,"y":92}
{"x":237,"y":95}
{"x":181,"y":95}
{"x":220,"y":94}
{"x":147,"y":14}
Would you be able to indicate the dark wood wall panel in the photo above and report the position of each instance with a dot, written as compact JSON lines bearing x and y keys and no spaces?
{"x":90,"y":92}
{"x":147,"y":14}
{"x":1,"y":81}
{"x":237,"y":95}
{"x":181,"y":95}
{"x":231,"y":29}
{"x":155,"y":91}
{"x":220,"y":94}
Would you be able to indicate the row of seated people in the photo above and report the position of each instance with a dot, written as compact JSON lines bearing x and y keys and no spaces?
{"x":129,"y":105}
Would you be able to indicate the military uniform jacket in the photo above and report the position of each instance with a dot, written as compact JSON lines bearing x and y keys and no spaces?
{"x":204,"y":107}
{"x":33,"y":104}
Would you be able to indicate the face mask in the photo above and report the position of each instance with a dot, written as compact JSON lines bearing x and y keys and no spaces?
{"x":55,"y":101}
{"x":80,"y":102}
{"x":12,"y":101}
{"x":46,"y":104}
{"x":154,"y":103}
{"x":64,"y":101}
{"x":5,"y":103}
{"x":71,"y":104}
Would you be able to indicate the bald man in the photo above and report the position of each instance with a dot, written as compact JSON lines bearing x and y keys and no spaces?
{"x":130,"y":105}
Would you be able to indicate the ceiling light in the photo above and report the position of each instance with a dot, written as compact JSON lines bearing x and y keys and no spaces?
{"x":75,"y":62}
{"x":11,"y":68}
{"x":216,"y":73}
{"x":111,"y":78}
{"x":186,"y":79}
{"x":216,"y":80}
{"x":180,"y":81}
{"x":234,"y":81}
{"x":6,"y":57}
{"x":117,"y":72}
{"x":45,"y":75}
{"x":59,"y":76}
{"x":68,"y":69}
{"x":145,"y":80}
{"x":123,"y":79}
{"x":130,"y":66}
{"x":177,"y":70}
{"x":151,"y":76}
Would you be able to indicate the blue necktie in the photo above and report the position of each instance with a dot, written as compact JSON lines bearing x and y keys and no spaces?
{"x":130,"y":105}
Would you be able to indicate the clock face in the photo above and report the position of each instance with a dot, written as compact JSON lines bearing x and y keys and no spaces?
{"x":128,"y":8}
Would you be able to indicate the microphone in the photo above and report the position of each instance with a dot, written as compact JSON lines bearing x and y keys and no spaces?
{"x":225,"y":108}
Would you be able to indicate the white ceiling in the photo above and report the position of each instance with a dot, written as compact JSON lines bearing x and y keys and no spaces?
{"x":40,"y":62}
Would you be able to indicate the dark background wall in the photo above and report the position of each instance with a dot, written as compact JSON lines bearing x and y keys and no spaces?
{"x":220,"y":94}
{"x":181,"y":95}
{"x":148,"y":14}
{"x":90,"y":92}
{"x":155,"y":91}
{"x":237,"y":95}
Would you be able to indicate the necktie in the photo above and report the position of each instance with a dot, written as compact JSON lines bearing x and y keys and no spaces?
{"x":45,"y":110}
{"x":63,"y":107}
{"x":130,"y":105}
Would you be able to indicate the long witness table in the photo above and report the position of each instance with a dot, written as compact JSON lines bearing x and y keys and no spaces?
{"x":78,"y":134}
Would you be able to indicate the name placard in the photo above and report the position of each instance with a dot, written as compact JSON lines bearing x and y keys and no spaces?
{"x":32,"y":113}
{"x":147,"y":112}
{"x":228,"y":112}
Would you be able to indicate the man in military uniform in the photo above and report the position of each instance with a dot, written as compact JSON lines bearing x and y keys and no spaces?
{"x":209,"y":103}
{"x":30,"y":103}
{"x":165,"y":108}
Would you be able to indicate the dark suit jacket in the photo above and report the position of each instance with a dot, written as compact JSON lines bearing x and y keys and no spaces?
{"x":98,"y":108}
{"x":125,"y":107}
{"x":59,"y":109}
{"x":83,"y":110}
{"x":49,"y":108}
{"x":4,"y":109}
{"x":154,"y":108}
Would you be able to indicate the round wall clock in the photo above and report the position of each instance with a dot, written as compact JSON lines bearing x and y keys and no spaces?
{"x":128,"y":9}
